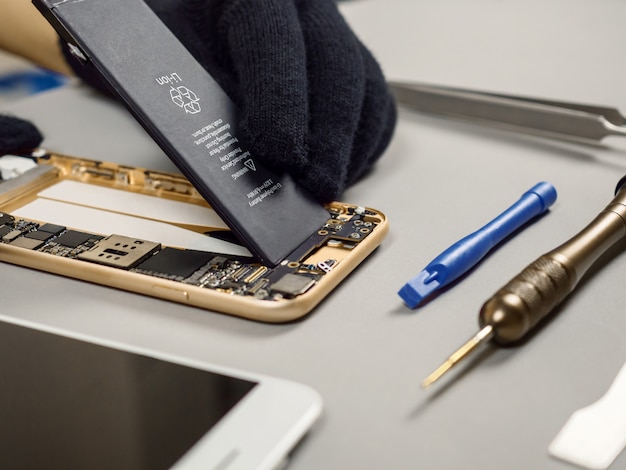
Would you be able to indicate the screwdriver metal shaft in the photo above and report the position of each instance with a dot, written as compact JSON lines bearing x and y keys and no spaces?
{"x":523,"y":302}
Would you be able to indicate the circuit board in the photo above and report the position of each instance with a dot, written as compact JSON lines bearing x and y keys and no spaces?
{"x":226,"y":273}
{"x":213,"y":276}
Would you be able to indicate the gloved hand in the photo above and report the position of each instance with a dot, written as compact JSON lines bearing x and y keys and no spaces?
{"x":313,"y":100}
{"x":17,"y":136}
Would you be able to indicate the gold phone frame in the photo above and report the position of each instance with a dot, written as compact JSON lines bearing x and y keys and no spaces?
{"x":347,"y":250}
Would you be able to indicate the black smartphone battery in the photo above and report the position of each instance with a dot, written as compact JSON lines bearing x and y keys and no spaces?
{"x":190,"y":117}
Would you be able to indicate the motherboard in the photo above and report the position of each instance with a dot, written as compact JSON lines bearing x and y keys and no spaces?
{"x":142,"y":243}
{"x":236,"y":275}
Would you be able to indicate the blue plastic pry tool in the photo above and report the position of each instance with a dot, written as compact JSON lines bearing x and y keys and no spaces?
{"x":467,"y":252}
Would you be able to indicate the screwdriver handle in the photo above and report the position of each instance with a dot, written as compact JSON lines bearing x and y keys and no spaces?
{"x":518,"y":306}
{"x":531,"y":295}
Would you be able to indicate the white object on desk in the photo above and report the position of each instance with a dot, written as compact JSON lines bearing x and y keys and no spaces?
{"x":594,"y":436}
{"x":12,"y":166}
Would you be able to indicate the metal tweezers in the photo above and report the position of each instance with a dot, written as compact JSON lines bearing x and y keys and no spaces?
{"x":561,"y":120}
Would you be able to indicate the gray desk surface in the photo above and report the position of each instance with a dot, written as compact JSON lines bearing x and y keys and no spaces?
{"x":362,"y":349}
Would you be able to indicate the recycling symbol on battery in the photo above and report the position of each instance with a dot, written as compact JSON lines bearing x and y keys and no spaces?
{"x":184,"y":98}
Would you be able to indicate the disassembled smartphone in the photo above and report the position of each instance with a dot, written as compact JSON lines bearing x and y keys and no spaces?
{"x":153,"y":233}
{"x":80,"y":402}
{"x":296,"y":250}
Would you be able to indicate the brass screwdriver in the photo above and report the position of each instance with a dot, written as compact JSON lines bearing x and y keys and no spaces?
{"x":520,"y":305}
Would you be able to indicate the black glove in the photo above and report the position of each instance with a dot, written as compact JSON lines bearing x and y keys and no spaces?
{"x":17,"y":136}
{"x":313,"y":100}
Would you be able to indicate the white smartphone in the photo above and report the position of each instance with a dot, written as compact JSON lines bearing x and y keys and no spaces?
{"x":72,"y":401}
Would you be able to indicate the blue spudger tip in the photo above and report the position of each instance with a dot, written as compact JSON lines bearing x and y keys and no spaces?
{"x":418,"y":288}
